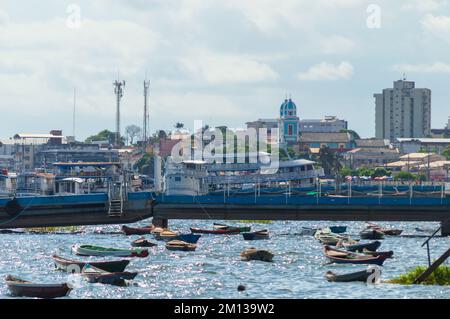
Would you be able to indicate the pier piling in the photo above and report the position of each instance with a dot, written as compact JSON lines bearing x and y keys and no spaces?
{"x":160,"y":222}
{"x":445,"y":228}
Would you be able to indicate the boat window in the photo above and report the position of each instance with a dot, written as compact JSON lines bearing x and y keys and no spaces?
{"x":177,"y":179}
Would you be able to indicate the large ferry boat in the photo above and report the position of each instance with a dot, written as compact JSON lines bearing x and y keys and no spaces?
{"x":74,"y":194}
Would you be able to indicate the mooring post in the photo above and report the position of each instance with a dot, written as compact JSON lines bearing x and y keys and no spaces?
{"x":445,"y":227}
{"x":160,"y":222}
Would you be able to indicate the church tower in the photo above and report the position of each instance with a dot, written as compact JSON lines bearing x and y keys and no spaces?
{"x":290,"y":123}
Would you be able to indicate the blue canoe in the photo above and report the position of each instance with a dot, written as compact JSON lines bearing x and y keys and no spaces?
{"x":258,"y":235}
{"x":189,"y":238}
{"x":338,"y":229}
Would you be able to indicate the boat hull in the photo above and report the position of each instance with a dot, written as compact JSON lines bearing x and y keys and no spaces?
{"x":109,"y":266}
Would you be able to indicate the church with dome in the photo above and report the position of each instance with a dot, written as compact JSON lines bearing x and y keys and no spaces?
{"x":289,"y":122}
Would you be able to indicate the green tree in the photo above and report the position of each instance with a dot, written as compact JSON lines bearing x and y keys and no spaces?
{"x":345,"y":171}
{"x":405,"y":176}
{"x":179,"y":125}
{"x":104,"y":135}
{"x":446,"y":153}
{"x":364,"y":171}
{"x":329,"y":161}
{"x":145,"y":164}
{"x":380,"y":172}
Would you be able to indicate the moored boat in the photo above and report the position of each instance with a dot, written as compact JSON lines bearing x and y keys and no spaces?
{"x":167,"y":235}
{"x":22,"y":288}
{"x":371,"y":234}
{"x":137,"y":231}
{"x":257,"y":254}
{"x":96,"y":275}
{"x":142,"y":242}
{"x":180,"y":245}
{"x":189,"y":238}
{"x":385,"y":231}
{"x":338,"y":229}
{"x":361,"y":276}
{"x":346,"y":257}
{"x":387,"y":254}
{"x":257,"y":235}
{"x":243,"y":229}
{"x":306,"y":231}
{"x":71,"y":265}
{"x":226,"y":231}
{"x":360,"y":247}
{"x":91,"y":250}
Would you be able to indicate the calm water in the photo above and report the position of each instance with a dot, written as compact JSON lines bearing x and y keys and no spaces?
{"x":215,"y":270}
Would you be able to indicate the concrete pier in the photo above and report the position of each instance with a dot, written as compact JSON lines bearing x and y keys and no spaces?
{"x":414,"y":213}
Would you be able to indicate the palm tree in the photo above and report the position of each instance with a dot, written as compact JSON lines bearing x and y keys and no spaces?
{"x":329,"y":161}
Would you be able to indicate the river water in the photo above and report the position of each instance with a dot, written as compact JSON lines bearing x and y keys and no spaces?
{"x":215,"y":270}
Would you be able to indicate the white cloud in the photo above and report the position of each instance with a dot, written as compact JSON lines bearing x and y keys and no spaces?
{"x":337,"y":44}
{"x":327,"y":71}
{"x":437,"y":25}
{"x":217,"y":68}
{"x":435,"y":68}
{"x":424,"y":5}
{"x":4,"y":18}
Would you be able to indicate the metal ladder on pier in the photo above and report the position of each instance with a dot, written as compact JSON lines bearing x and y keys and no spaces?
{"x":116,"y":201}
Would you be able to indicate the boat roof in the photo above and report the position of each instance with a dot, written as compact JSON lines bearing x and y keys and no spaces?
{"x":294,"y":163}
{"x":72,"y":179}
{"x":84,"y":164}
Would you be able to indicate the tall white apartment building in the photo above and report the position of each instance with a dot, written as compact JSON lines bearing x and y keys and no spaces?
{"x":403,"y":111}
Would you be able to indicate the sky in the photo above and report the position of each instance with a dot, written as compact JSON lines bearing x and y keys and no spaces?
{"x":222,"y":62}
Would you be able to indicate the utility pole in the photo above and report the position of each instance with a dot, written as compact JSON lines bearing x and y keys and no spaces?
{"x":146,"y":116}
{"x":118,"y":90}
{"x":74,"y":107}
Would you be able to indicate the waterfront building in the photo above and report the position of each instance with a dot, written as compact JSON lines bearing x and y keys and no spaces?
{"x":329,"y":124}
{"x":371,"y":152}
{"x":403,"y":111}
{"x":416,"y":145}
{"x":336,"y":142}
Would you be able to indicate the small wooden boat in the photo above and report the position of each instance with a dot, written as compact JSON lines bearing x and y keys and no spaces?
{"x":23,"y":288}
{"x":338,"y":229}
{"x":167,"y":235}
{"x":225,"y":231}
{"x":372,"y":246}
{"x":142,"y":242}
{"x":361,"y":276}
{"x":96,"y":275}
{"x":68,"y":264}
{"x":189,"y":238}
{"x":180,"y":245}
{"x":306,"y":231}
{"x":257,"y":235}
{"x":346,"y":257}
{"x":91,"y":250}
{"x":137,"y":231}
{"x":257,"y":254}
{"x":371,"y":234}
{"x":386,"y":231}
{"x":387,"y":254}
{"x":244,"y":229}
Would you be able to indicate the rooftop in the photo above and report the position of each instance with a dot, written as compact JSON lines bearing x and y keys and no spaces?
{"x":325,"y":137}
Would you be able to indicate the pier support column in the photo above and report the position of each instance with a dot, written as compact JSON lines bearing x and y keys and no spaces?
{"x":445,"y":228}
{"x":159,"y":222}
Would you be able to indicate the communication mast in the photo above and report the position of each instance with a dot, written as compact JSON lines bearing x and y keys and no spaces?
{"x":118,"y":90}
{"x":146,"y":116}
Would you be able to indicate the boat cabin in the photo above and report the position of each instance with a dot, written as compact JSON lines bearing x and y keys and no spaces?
{"x":70,"y":185}
{"x":186,"y":178}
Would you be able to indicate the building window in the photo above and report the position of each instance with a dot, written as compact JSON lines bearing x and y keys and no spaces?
{"x":290,"y":128}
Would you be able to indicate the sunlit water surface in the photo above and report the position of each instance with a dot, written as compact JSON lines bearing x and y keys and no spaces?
{"x":215,"y":270}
